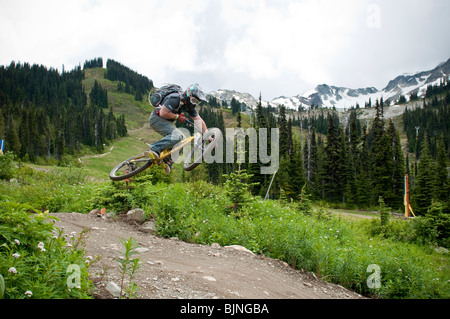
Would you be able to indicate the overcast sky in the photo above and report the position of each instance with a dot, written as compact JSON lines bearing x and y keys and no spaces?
{"x":272,"y":47}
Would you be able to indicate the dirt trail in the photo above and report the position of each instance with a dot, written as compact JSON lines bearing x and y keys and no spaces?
{"x":175,"y":269}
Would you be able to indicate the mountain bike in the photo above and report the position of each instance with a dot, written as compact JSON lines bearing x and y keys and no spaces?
{"x":200,"y":146}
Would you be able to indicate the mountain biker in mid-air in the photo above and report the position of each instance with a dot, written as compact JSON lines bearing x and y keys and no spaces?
{"x":167,"y":111}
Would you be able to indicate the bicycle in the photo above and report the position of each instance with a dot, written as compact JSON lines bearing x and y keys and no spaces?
{"x":200,"y":147}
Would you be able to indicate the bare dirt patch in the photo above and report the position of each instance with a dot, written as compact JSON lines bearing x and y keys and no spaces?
{"x":175,"y":269}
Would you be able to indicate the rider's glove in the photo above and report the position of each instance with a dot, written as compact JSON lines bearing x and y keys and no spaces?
{"x":181,"y":118}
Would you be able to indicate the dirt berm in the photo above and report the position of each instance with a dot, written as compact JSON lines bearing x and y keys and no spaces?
{"x":171,"y":268}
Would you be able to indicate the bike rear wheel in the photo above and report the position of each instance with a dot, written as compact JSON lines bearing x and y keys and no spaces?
{"x":200,"y":149}
{"x":132,"y":166}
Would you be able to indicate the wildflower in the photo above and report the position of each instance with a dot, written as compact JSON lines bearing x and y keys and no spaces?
{"x":12,"y":270}
{"x":28,"y":293}
{"x":16,"y":255}
{"x":41,"y":246}
{"x":17,"y":241}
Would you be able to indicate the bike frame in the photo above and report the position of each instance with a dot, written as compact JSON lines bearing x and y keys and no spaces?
{"x":166,"y":153}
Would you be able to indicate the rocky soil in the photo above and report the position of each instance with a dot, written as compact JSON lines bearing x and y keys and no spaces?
{"x":174,"y":269}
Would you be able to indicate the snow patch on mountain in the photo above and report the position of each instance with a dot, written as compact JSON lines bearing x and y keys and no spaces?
{"x":344,"y":98}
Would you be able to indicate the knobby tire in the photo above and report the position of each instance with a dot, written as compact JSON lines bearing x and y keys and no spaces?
{"x":207,"y":149}
{"x":138,"y":170}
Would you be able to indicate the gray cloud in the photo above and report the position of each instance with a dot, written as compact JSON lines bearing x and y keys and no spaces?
{"x":273,"y":47}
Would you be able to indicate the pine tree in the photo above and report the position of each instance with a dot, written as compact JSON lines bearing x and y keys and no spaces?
{"x":43,"y":125}
{"x":284,"y":132}
{"x":260,"y":118}
{"x":24,"y":134}
{"x":363,"y":181}
{"x":282,"y":181}
{"x":398,"y":167}
{"x":442,"y":187}
{"x":333,"y":170}
{"x":2,"y":126}
{"x":237,"y":185}
{"x":344,"y":170}
{"x":352,"y":141}
{"x":257,"y":179}
{"x":425,"y":182}
{"x":381,"y":155}
{"x":239,"y":119}
{"x":235,"y":106}
{"x":296,"y":172}
{"x":311,"y":160}
{"x":12,"y":141}
{"x":381,"y":175}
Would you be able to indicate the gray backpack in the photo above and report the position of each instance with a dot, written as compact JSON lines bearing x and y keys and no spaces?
{"x":162,"y":92}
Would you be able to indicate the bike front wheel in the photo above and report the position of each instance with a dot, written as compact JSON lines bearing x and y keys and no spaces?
{"x":203,"y":148}
{"x":132,"y":166}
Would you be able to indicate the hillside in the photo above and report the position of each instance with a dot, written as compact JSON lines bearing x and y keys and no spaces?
{"x":136,"y":112}
{"x":292,"y":235}
{"x":331,"y":96}
{"x":139,"y":133}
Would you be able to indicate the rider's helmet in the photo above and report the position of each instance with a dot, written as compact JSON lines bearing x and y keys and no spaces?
{"x":195,"y":94}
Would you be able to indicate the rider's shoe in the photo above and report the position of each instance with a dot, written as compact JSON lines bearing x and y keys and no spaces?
{"x":151,"y":154}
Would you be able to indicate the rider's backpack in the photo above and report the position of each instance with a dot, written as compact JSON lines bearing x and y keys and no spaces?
{"x":162,"y":92}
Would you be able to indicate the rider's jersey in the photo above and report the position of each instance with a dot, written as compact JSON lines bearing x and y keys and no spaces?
{"x":172,"y":102}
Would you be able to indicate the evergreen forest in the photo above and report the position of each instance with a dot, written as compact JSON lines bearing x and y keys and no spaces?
{"x":349,"y":163}
{"x":56,"y":123}
{"x":46,"y":114}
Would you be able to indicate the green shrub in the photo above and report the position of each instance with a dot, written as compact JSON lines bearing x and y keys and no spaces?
{"x":35,"y":257}
{"x":58,"y":190}
{"x":434,"y":226}
{"x":114,"y":196}
{"x":7,"y":166}
{"x":334,"y":249}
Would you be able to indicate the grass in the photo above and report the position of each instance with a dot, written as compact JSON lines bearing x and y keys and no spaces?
{"x":136,"y":112}
{"x":335,"y":249}
{"x":123,"y":148}
{"x":355,"y":213}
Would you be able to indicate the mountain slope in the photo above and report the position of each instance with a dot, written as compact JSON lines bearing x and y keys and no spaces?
{"x":325,"y":95}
